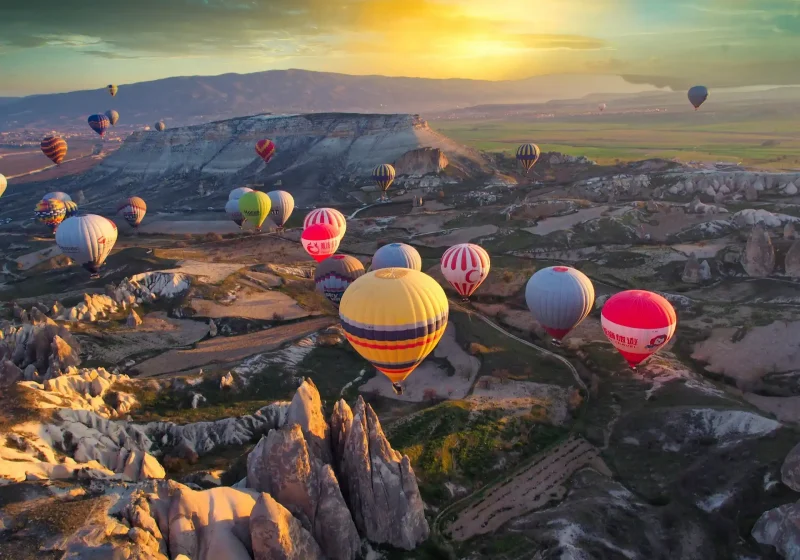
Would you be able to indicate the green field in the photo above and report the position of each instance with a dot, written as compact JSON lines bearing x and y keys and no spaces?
{"x":772,"y":144}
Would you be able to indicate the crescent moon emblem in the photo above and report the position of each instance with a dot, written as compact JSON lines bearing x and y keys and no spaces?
{"x":468,"y":279}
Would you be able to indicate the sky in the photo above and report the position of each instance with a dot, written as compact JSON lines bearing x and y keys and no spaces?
{"x":53,"y":46}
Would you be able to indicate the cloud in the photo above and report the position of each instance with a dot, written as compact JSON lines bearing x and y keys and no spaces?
{"x":110,"y":55}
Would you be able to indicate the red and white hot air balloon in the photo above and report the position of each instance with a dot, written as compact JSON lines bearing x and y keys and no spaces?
{"x":320,"y":241}
{"x":465,"y":266}
{"x":329,"y":216}
{"x":638,"y":323}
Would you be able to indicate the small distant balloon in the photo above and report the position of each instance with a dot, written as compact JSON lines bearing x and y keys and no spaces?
{"x":50,"y":212}
{"x":112,"y":89}
{"x":383,"y":175}
{"x":160,"y":126}
{"x":282,"y":207}
{"x":265,"y":149}
{"x":55,"y":148}
{"x":698,"y":96}
{"x":133,"y":210}
{"x":113,"y":117}
{"x":602,"y":107}
{"x":3,"y":184}
{"x":528,"y":155}
{"x":99,"y":123}
{"x":465,"y":266}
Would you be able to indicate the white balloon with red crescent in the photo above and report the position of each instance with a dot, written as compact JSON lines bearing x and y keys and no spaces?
{"x":465,"y":266}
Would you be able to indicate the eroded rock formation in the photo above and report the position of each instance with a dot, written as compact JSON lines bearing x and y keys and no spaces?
{"x":758,"y":259}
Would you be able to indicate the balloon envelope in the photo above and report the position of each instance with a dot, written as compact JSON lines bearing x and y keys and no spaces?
{"x":160,"y":126}
{"x":87,"y":240}
{"x":54,"y":148}
{"x":329,"y":216}
{"x":528,"y":155}
{"x":3,"y":184}
{"x":282,"y":207}
{"x":394,"y":318}
{"x":383,"y":175}
{"x":559,"y":298}
{"x":265,"y":149}
{"x":99,"y":123}
{"x":396,"y":255}
{"x":465,"y":266}
{"x":232,"y":210}
{"x":697,"y":96}
{"x":113,"y":117}
{"x":255,"y":207}
{"x":320,"y":241}
{"x":112,"y":89}
{"x":57,"y":195}
{"x":335,"y":274}
{"x":602,"y":107}
{"x":50,"y":212}
{"x":236,"y":194}
{"x":638,"y":323}
{"x":133,"y":210}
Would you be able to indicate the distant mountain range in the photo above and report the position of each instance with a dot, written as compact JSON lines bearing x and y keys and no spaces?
{"x":198,"y":99}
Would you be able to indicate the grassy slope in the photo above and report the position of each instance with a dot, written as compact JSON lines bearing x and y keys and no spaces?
{"x":692,"y":136}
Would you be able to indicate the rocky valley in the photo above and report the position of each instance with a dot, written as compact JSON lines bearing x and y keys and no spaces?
{"x":201,"y":400}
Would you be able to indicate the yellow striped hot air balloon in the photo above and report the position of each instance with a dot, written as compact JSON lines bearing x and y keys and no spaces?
{"x":528,"y":155}
{"x":394,"y":318}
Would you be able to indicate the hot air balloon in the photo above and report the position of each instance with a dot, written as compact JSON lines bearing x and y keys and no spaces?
{"x":133,"y":210}
{"x":232,"y":210}
{"x":528,"y":155}
{"x":282,"y":207}
{"x":394,"y":318}
{"x":87,"y":240}
{"x":465,"y":266}
{"x":55,"y":148}
{"x":255,"y":207}
{"x":112,"y":89}
{"x":383,"y":175}
{"x":99,"y":123}
{"x":50,"y":212}
{"x":602,"y":107}
{"x":698,"y":96}
{"x":559,"y":298}
{"x":160,"y":126}
{"x":320,"y":241}
{"x":396,"y":255}
{"x":57,"y":195}
{"x":329,"y":216}
{"x":113,"y":117}
{"x":71,"y":209}
{"x":335,"y":274}
{"x":3,"y":184}
{"x":236,"y":194}
{"x":266,"y":149}
{"x":638,"y":323}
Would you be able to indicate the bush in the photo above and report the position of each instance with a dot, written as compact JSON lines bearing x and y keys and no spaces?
{"x":277,"y":317}
{"x":213,"y":237}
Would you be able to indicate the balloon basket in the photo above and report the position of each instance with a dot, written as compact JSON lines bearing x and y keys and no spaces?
{"x":94,"y":276}
{"x":465,"y":300}
{"x":556,"y":342}
{"x":398,"y":389}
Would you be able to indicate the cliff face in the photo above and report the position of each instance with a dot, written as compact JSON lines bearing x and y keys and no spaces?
{"x":313,"y":152}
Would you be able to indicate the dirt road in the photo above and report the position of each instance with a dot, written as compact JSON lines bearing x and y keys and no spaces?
{"x":225,"y":350}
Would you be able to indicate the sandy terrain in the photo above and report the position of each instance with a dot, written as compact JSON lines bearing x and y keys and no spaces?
{"x":252,"y":305}
{"x":520,"y":397}
{"x":423,"y":223}
{"x":250,"y":249}
{"x":227,"y":350}
{"x":462,"y":235}
{"x":670,"y":223}
{"x":171,"y":227}
{"x":29,"y":260}
{"x":157,"y":332}
{"x":785,"y":409}
{"x":745,"y":360}
{"x":705,"y":250}
{"x":530,"y":489}
{"x":430,"y":376}
{"x":514,"y":318}
{"x":559,"y":223}
{"x":206,"y":271}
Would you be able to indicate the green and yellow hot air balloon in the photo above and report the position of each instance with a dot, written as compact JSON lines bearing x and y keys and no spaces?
{"x":255,"y":207}
{"x":394,"y":318}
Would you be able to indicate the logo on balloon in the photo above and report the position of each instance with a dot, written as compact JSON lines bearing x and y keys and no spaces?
{"x":334,"y":296}
{"x":469,"y":274}
{"x":656,"y":341}
{"x":313,"y":248}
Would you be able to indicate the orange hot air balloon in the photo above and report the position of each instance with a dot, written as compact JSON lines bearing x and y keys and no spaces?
{"x":320,"y":241}
{"x":55,"y":148}
{"x":266,"y":149}
{"x":638,"y":323}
